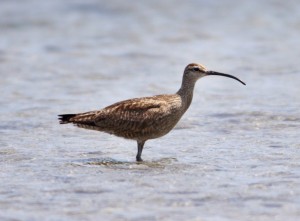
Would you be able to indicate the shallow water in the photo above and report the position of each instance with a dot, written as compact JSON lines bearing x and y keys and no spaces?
{"x":233,"y":156}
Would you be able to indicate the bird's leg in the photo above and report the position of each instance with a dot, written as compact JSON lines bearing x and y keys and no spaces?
{"x":140,"y":150}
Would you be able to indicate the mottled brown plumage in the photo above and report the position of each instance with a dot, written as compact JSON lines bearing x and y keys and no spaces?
{"x":144,"y":118}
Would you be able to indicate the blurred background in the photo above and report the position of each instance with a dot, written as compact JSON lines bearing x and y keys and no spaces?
{"x":233,"y":156}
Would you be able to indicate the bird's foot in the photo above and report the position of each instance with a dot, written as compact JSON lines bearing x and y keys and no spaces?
{"x":139,"y":159}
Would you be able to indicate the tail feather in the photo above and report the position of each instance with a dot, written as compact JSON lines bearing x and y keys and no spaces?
{"x":65,"y":118}
{"x":81,"y":118}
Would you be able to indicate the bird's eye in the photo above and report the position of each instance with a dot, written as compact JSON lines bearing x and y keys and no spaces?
{"x":196,"y":69}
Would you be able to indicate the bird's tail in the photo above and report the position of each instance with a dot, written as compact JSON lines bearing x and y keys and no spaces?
{"x":65,"y":118}
{"x":81,"y":118}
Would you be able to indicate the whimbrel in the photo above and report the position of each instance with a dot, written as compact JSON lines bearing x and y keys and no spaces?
{"x":144,"y":118}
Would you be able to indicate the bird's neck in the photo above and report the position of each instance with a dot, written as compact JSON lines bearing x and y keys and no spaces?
{"x":186,"y":92}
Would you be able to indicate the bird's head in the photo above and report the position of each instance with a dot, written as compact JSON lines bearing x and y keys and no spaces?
{"x":195,"y":71}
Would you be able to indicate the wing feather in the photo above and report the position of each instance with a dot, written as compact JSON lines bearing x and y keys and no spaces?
{"x":131,"y":116}
{"x":134,"y":119}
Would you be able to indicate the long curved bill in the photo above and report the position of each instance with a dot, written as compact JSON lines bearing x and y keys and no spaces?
{"x":224,"y":75}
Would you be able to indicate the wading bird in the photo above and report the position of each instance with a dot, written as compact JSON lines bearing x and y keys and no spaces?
{"x":144,"y":118}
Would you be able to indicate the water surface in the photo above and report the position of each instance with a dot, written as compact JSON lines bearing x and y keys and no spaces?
{"x":234,"y":155}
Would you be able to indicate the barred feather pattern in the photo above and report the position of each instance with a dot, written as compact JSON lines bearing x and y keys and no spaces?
{"x":137,"y":119}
